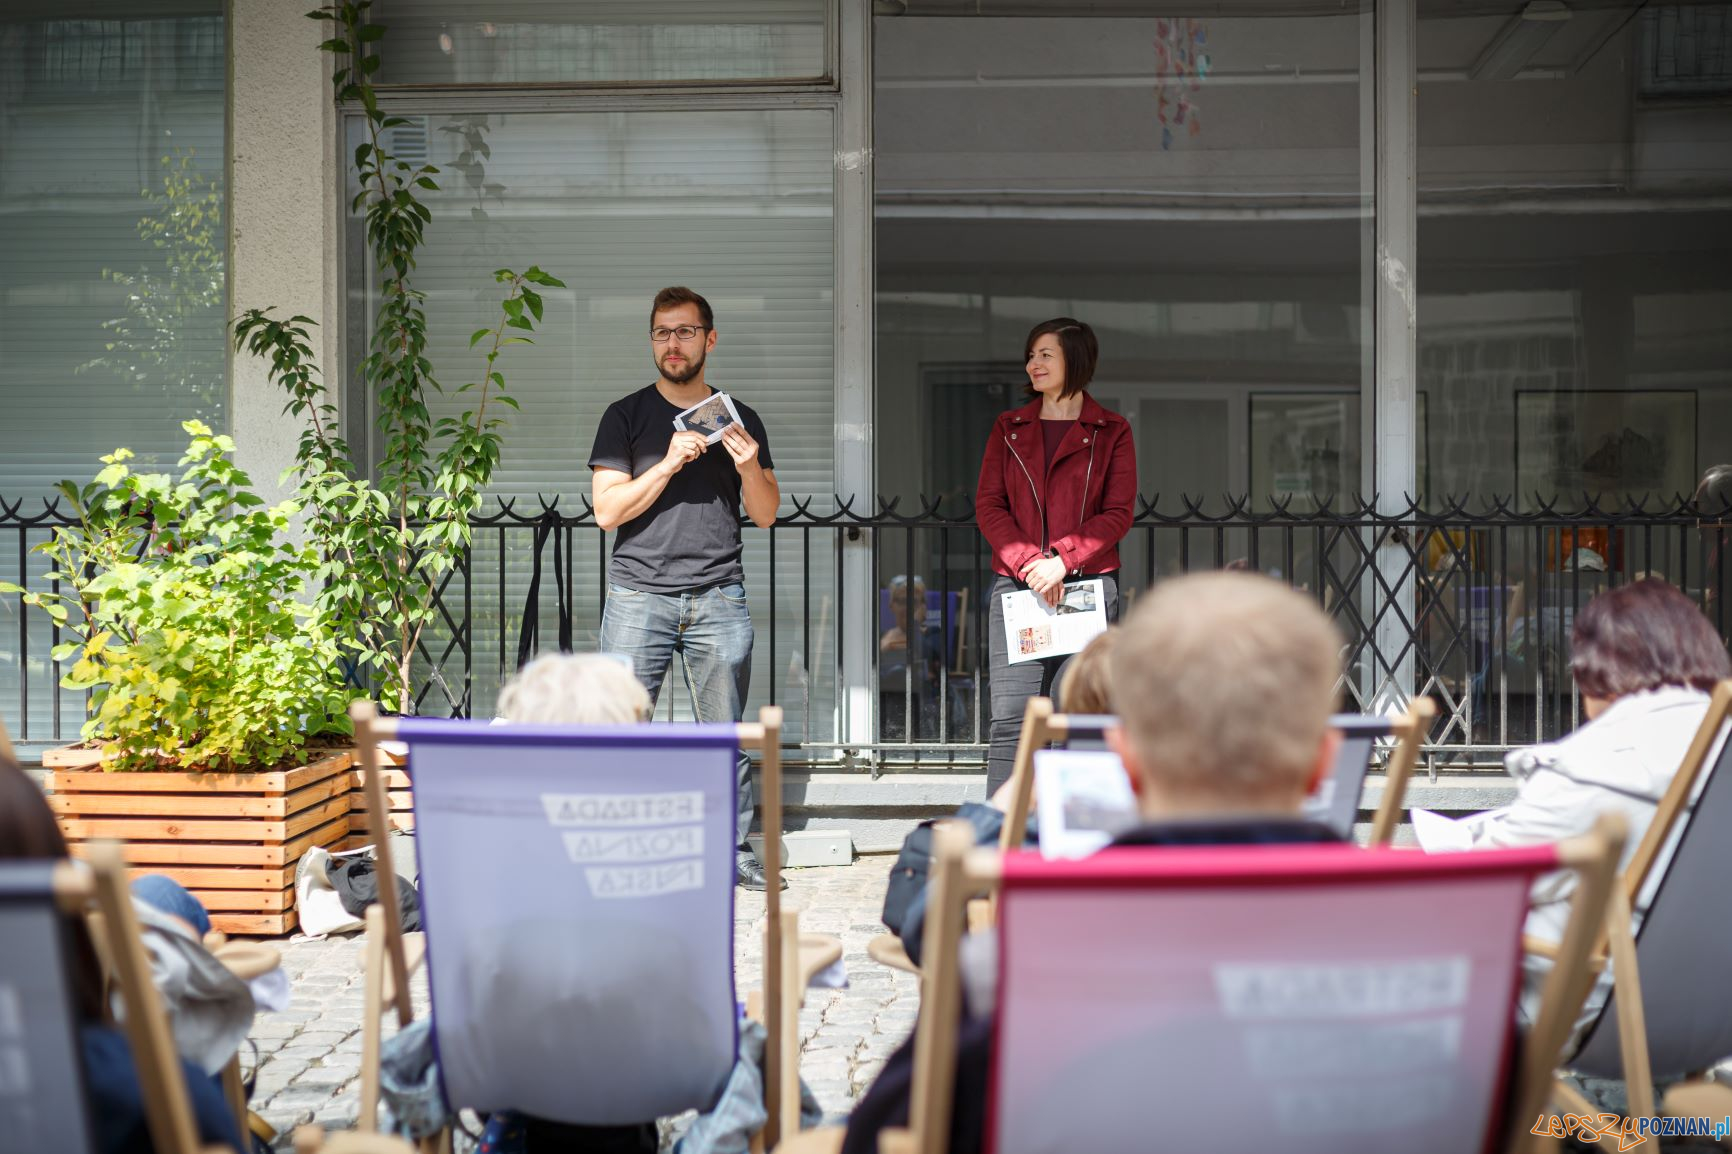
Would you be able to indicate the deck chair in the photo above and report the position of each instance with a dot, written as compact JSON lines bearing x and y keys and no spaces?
{"x":1681,"y":947}
{"x":595,"y":866}
{"x":43,"y":1100}
{"x":43,"y":1105}
{"x":1306,"y":998}
{"x":1042,"y":727}
{"x":1342,"y":790}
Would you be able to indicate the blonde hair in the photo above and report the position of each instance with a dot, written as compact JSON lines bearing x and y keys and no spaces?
{"x":1224,"y":683}
{"x":1087,"y":684}
{"x":574,"y":689}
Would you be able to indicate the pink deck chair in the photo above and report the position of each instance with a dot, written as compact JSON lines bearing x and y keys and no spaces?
{"x":1300,"y":998}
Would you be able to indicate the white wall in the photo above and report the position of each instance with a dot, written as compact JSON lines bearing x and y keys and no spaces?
{"x":283,"y":235}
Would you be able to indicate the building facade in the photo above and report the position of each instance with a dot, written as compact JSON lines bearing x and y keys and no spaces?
{"x":1437,"y":252}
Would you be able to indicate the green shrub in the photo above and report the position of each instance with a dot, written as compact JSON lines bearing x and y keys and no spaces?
{"x":185,"y":601}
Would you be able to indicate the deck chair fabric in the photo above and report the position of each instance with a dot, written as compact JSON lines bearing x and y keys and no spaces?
{"x":43,"y":1103}
{"x":1336,"y":800}
{"x":577,"y":888}
{"x":1682,"y":945}
{"x":1323,"y":998}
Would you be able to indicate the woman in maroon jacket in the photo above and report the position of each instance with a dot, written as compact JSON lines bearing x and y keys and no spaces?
{"x":1055,"y":498}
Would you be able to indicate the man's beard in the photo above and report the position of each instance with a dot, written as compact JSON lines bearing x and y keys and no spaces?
{"x":693,"y":366}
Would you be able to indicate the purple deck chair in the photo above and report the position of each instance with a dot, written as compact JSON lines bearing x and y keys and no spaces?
{"x":43,"y":1100}
{"x":42,"y":1096}
{"x":577,"y":888}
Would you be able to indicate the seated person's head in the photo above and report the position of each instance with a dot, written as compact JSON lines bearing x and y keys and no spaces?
{"x":1224,"y":684}
{"x":574,"y":689}
{"x":29,"y":832}
{"x":902,"y":591}
{"x":1087,"y":683}
{"x":1641,"y":637}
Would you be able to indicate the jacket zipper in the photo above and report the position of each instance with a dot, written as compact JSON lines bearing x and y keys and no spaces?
{"x":1037,"y":505}
{"x":1083,"y":506}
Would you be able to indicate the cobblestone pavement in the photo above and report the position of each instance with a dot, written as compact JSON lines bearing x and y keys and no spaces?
{"x":309,"y":1056}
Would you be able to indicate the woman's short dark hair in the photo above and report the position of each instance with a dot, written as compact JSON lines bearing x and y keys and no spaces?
{"x":28,"y":831}
{"x":1643,"y":636}
{"x":1080,"y":348}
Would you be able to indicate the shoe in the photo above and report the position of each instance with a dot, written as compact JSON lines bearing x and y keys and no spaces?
{"x":749,"y":875}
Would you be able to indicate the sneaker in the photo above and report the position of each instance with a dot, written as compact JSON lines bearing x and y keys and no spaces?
{"x":749,"y":875}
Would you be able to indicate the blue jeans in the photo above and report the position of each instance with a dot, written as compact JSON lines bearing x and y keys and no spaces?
{"x":711,"y":630}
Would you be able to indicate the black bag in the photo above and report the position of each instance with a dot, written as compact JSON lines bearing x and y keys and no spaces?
{"x":914,"y":864}
{"x":356,"y":881}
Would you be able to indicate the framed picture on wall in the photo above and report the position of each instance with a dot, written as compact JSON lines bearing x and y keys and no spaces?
{"x":1612,"y":442}
{"x":1304,"y":449}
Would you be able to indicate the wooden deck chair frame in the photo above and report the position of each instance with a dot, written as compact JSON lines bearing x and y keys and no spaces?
{"x":1615,"y":943}
{"x":1041,"y":726}
{"x":312,"y":1140}
{"x":959,"y":869}
{"x":790,"y":958}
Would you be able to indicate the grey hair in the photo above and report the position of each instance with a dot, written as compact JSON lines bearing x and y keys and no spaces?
{"x":574,"y":689}
{"x":1714,"y":493}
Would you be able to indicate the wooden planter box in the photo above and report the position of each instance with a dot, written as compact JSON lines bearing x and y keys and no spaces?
{"x":397,"y":795}
{"x":233,"y":839}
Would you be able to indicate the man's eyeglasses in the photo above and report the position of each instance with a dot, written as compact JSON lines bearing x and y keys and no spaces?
{"x":684,"y":332}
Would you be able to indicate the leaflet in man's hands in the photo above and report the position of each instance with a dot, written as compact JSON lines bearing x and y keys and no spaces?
{"x":710,"y":416}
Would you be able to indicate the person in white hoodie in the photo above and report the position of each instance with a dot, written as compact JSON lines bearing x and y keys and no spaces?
{"x":1644,"y":659}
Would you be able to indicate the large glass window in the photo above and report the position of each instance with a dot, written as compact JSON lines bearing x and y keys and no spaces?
{"x":1197,"y":188}
{"x":736,"y":205}
{"x":603,"y":41}
{"x":112,"y":285}
{"x":1575,"y":318}
{"x":113,"y":290}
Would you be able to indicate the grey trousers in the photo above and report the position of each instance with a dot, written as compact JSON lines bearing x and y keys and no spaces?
{"x":1013,"y":685}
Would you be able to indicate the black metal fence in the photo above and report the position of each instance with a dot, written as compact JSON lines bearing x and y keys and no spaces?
{"x":871,"y":624}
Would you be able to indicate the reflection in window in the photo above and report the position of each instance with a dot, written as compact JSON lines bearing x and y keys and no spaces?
{"x":113,"y":279}
{"x":602,"y":41}
{"x":736,"y":205}
{"x":1196,"y":189}
{"x":1575,"y":325}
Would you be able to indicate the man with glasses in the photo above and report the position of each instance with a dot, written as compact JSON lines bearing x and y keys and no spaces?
{"x":675,"y":584}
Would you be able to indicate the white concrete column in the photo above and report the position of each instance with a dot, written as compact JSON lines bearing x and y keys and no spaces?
{"x":284,"y":234}
{"x":1397,"y":340}
{"x":854,"y":365}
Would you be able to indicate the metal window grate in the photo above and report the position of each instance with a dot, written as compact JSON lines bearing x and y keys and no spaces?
{"x":1686,"y":50}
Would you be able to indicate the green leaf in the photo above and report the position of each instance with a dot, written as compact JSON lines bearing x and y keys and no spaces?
{"x":476,"y":337}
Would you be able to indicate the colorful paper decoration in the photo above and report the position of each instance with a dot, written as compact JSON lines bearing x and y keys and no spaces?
{"x":1180,"y":65}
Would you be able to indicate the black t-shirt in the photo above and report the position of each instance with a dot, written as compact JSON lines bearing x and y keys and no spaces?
{"x":690,"y":538}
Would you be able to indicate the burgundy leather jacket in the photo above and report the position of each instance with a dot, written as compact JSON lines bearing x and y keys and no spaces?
{"x":1081,"y":509}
